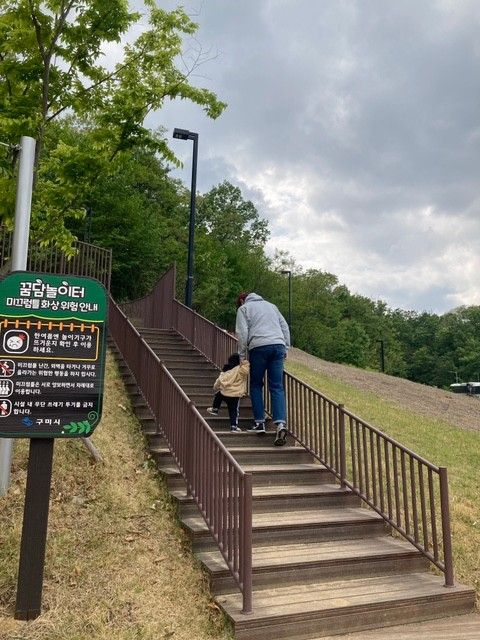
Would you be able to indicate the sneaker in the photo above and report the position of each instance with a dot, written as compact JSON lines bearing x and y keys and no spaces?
{"x":281,"y":436}
{"x":258,"y":427}
{"x":213,"y":411}
{"x":234,"y":427}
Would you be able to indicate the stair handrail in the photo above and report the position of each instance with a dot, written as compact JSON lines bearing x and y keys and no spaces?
{"x":407,"y":491}
{"x":219,"y":486}
{"x":88,"y":259}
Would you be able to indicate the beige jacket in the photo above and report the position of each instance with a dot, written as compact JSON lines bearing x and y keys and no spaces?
{"x":233,"y":383}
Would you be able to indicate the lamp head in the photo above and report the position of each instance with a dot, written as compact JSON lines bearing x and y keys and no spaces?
{"x":184,"y":134}
{"x":181,"y":134}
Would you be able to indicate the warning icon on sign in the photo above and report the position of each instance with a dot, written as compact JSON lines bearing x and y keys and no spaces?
{"x":7,"y":368}
{"x":5,"y":408}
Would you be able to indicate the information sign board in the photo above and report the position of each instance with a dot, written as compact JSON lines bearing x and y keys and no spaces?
{"x":52,"y":355}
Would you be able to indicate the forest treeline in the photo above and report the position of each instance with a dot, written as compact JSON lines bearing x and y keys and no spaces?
{"x":142,"y":214}
{"x":103,"y":176}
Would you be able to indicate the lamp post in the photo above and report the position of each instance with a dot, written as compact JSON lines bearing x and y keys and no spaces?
{"x":184,"y":134}
{"x":289,"y":273}
{"x":382,"y":356}
{"x":456,"y":374}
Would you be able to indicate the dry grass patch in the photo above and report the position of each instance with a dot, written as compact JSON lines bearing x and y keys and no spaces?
{"x":118,"y":566}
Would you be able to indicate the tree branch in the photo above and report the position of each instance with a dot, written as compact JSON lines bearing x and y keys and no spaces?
{"x":38,"y":30}
{"x":59,"y":24}
{"x":9,"y":85}
{"x":109,"y":76}
{"x":75,"y":57}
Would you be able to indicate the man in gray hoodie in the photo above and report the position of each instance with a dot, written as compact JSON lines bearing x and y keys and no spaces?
{"x":263,"y":332}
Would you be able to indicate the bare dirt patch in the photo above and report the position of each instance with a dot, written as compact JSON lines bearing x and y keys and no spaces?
{"x":459,"y":410}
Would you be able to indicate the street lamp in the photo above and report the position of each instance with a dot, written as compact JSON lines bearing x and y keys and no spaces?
{"x":289,"y":273}
{"x":382,"y":356}
{"x":184,"y":134}
{"x":456,"y":374}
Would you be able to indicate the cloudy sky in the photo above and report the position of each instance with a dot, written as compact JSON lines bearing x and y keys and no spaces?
{"x":354,"y":126}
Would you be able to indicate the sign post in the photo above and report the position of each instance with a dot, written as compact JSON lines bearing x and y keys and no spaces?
{"x":23,"y":208}
{"x":52,"y":360}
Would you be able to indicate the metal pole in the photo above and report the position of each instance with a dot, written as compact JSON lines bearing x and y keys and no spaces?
{"x":191,"y":227}
{"x":382,"y":356}
{"x":290,"y":305}
{"x":289,"y":273}
{"x":23,"y":207}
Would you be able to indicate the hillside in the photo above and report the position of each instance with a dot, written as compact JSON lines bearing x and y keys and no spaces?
{"x":459,"y":410}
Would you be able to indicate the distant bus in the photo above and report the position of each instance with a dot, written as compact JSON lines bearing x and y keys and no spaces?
{"x":472,"y":388}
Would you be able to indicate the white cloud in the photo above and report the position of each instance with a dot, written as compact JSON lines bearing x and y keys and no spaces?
{"x":354,"y":126}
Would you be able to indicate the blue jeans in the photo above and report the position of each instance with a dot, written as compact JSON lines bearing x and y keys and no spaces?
{"x":270,"y":359}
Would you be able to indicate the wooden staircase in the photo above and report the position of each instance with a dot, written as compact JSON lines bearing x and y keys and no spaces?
{"x":322,"y":563}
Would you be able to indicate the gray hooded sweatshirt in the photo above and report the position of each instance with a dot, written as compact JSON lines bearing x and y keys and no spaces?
{"x":260,"y":323}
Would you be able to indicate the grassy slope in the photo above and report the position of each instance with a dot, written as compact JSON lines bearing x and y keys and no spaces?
{"x":441,"y":443}
{"x":117,"y":564}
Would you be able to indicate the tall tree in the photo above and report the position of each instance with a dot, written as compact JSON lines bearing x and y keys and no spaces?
{"x":229,"y":218}
{"x":51,"y":55}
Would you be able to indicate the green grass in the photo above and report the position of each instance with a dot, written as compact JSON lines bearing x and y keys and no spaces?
{"x":439,"y":442}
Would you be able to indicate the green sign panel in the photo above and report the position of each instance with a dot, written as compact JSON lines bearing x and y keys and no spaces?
{"x":52,"y":355}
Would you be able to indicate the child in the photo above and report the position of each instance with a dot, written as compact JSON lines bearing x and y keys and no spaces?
{"x":230,"y":386}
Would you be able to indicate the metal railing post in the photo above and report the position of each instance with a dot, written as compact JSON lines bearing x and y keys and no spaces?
{"x":247,"y":545}
{"x":342,"y":445}
{"x":446,"y":530}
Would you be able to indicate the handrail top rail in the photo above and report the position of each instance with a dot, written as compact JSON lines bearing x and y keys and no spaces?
{"x":90,"y":244}
{"x":206,"y":320}
{"x":376,"y":430}
{"x":196,"y":412}
{"x":394,"y":442}
{"x":125,"y":302}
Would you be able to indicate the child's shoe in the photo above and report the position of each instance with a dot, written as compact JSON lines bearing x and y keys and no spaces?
{"x":234,"y":427}
{"x":213,"y":411}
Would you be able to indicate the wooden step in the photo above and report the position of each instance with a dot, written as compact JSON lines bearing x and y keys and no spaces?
{"x":181,"y":358}
{"x":306,"y":525}
{"x":160,"y":334}
{"x":205,"y":378}
{"x":197,"y":386}
{"x":202,"y":402}
{"x":263,"y":475}
{"x":271,"y":499}
{"x":272,"y":455}
{"x":255,"y":455}
{"x":245,"y":438}
{"x":300,"y":562}
{"x":196,"y":369}
{"x":222,"y":422}
{"x":313,"y":610}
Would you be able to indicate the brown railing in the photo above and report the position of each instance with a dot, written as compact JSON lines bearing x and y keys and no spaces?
{"x":88,"y":260}
{"x":410,"y":493}
{"x":155,"y":310}
{"x":160,"y":310}
{"x":217,"y":483}
{"x":215,"y":343}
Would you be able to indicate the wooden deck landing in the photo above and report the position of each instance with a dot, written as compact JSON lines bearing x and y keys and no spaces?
{"x":456,"y":628}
